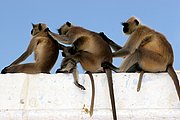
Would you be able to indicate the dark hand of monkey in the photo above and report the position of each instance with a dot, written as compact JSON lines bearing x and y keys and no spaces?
{"x":104,"y":37}
{"x":63,"y":54}
{"x":61,"y":47}
{"x":108,"y":65}
{"x":47,"y":30}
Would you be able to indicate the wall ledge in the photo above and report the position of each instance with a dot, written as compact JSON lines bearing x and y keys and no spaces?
{"x":55,"y":97}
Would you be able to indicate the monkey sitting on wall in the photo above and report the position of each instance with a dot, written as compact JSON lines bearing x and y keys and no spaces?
{"x":92,"y":51}
{"x":45,"y":49}
{"x":145,"y":50}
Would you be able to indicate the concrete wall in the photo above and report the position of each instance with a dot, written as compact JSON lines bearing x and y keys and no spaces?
{"x":55,"y":97}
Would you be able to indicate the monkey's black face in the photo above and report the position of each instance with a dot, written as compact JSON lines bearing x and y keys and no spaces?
{"x":59,"y":31}
{"x":31,"y":31}
{"x":126,"y":27}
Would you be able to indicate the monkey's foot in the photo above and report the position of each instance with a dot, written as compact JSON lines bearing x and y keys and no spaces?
{"x":79,"y":86}
{"x":64,"y":71}
{"x":61,"y":71}
{"x":4,"y":71}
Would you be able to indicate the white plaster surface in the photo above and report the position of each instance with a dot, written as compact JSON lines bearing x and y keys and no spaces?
{"x":55,"y":97}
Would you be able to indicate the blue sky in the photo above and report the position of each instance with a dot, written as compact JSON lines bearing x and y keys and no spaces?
{"x":16,"y":17}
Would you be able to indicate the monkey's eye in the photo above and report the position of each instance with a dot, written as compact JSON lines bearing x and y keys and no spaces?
{"x":125,"y":24}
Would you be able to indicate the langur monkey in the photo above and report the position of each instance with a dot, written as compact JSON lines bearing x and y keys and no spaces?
{"x":68,"y":66}
{"x":45,"y":49}
{"x":92,"y":51}
{"x":146,"y":50}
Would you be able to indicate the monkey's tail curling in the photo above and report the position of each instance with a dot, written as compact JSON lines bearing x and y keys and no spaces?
{"x":174,"y":77}
{"x":93,"y":93}
{"x":111,"y":91}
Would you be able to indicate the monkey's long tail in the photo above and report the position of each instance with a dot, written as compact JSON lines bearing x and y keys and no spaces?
{"x":111,"y":91}
{"x":174,"y":77}
{"x":140,"y":81}
{"x":93,"y":93}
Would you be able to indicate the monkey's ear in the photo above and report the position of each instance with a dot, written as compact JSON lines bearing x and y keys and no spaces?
{"x":33,"y":25}
{"x":136,"y":21}
{"x":40,"y":27}
{"x":68,"y":24}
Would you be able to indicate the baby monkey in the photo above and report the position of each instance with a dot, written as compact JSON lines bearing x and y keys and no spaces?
{"x":45,"y":49}
{"x":146,"y":50}
{"x":69,"y":66}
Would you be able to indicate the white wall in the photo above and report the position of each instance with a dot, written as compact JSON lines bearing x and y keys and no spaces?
{"x":55,"y":97}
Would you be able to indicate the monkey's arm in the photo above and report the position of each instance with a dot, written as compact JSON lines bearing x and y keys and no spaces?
{"x":133,"y":42}
{"x":62,"y":38}
{"x":121,"y":53}
{"x":114,"y":46}
{"x":28,"y":52}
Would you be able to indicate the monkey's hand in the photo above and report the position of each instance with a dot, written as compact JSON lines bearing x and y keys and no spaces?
{"x":63,"y":54}
{"x":47,"y":30}
{"x":61,"y":47}
{"x":108,"y":65}
{"x":104,"y":37}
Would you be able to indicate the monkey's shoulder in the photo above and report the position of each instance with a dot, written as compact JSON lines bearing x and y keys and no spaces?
{"x":144,"y":30}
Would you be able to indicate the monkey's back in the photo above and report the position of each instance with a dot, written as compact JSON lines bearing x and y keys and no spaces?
{"x":46,"y":52}
{"x":158,"y":43}
{"x":98,"y":49}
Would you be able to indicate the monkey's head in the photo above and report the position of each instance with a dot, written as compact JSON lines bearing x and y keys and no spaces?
{"x":38,"y":28}
{"x":130,"y":25}
{"x":65,"y":28}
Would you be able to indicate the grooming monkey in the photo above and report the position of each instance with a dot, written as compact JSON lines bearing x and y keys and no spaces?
{"x":146,"y":50}
{"x":45,"y":49}
{"x":92,"y":51}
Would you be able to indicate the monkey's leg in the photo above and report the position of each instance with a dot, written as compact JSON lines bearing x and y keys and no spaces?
{"x":111,"y":91}
{"x":130,"y":64}
{"x":67,"y":66}
{"x":76,"y":78}
{"x":174,"y":77}
{"x":136,"y":68}
{"x":153,"y":62}
{"x":140,"y":81}
{"x":29,"y":68}
{"x":93,"y":93}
